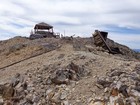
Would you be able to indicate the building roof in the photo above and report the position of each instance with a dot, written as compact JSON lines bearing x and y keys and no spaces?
{"x":43,"y":25}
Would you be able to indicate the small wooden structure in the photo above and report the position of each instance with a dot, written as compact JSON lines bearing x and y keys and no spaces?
{"x":100,"y":38}
{"x":42,"y":30}
{"x":43,"y":26}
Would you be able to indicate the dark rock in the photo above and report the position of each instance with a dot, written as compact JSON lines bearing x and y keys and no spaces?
{"x":137,"y":89}
{"x":71,"y":72}
{"x":63,"y":76}
{"x":60,"y":77}
{"x":24,"y":85}
{"x":80,"y":71}
{"x":135,"y":78}
{"x":83,"y":57}
{"x":36,"y":36}
{"x":74,"y":67}
{"x":123,"y":90}
{"x":128,"y":102}
{"x":116,"y":72}
{"x":1,"y":89}
{"x":137,"y":84}
{"x":103,"y":82}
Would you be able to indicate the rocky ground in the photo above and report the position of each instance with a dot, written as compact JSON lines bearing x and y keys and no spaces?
{"x":66,"y":72}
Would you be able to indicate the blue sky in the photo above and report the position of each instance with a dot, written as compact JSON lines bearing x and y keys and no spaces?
{"x":81,"y":17}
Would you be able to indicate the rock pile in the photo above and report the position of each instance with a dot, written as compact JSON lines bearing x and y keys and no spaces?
{"x":71,"y":72}
{"x":119,"y":88}
{"x":36,"y":88}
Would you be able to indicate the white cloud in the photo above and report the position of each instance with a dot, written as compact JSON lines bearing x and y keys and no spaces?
{"x":78,"y":17}
{"x":122,"y":37}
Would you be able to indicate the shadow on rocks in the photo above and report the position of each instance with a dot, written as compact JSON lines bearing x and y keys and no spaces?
{"x":64,"y":75}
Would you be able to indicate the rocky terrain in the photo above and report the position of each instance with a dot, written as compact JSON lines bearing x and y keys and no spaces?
{"x":67,"y":71}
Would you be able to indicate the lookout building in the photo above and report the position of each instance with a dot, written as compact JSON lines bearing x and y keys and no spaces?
{"x":42,"y":30}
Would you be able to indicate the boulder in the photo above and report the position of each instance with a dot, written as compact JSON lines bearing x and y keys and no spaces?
{"x":60,"y":77}
{"x":71,"y":72}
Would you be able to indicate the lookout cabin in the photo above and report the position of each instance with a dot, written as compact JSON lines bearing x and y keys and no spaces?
{"x":42,"y":30}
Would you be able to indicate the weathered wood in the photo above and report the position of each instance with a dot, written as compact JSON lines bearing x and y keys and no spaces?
{"x":97,"y":39}
{"x":104,"y":41}
{"x":100,"y":40}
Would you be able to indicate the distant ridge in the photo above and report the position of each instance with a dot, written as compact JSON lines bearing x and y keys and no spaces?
{"x":137,"y":50}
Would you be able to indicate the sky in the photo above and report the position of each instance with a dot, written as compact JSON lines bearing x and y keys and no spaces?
{"x":121,"y":18}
